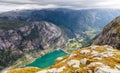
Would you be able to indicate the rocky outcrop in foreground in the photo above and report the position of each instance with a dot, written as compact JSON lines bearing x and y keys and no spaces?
{"x":93,"y":59}
{"x":110,"y":34}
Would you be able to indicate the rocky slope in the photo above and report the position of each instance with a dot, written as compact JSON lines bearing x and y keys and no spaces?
{"x":110,"y":34}
{"x":93,"y":59}
{"x":16,"y":38}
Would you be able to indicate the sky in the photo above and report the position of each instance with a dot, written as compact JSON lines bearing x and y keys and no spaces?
{"x":8,"y":5}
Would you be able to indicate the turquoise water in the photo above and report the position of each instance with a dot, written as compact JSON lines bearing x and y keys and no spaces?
{"x":47,"y":59}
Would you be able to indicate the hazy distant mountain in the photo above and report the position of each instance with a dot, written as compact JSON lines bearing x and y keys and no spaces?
{"x":110,"y":34}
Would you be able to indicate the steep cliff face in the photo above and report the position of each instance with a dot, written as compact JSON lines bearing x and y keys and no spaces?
{"x":93,"y":59}
{"x":110,"y":34}
{"x":28,"y":37}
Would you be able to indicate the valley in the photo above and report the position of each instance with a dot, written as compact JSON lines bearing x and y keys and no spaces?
{"x":36,"y":39}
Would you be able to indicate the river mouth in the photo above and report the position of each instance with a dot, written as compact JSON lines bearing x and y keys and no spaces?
{"x":47,"y":59}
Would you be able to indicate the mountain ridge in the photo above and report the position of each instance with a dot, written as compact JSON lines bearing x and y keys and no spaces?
{"x":65,"y":18}
{"x":110,"y":34}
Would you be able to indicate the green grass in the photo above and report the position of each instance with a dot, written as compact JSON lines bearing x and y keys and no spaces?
{"x":47,"y":60}
{"x":72,"y":45}
{"x":91,"y":33}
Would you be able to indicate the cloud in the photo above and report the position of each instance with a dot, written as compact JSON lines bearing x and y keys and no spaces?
{"x":6,"y":5}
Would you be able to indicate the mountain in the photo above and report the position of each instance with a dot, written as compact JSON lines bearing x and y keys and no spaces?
{"x":110,"y":34}
{"x":93,"y":59}
{"x":28,"y":34}
{"x":76,"y":23}
{"x":18,"y":38}
{"x":83,"y":25}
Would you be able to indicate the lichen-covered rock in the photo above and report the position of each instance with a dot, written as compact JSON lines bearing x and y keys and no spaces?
{"x":93,"y":59}
{"x":74,"y":63}
{"x":105,"y":69}
{"x":99,"y":59}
